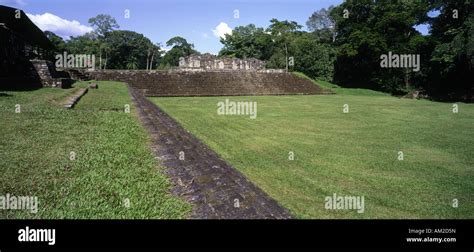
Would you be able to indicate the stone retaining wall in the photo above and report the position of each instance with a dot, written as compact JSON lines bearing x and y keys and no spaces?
{"x":210,"y":83}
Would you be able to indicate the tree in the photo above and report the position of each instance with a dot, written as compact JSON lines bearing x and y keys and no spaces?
{"x":59,"y":46}
{"x":181,"y":48}
{"x":275,"y":43}
{"x":119,"y":48}
{"x":372,"y":29}
{"x":322,"y":23}
{"x":58,"y":42}
{"x":282,"y":32}
{"x":132,"y":63}
{"x":85,"y":44}
{"x":179,"y":42}
{"x":105,"y":47}
{"x":103,"y":24}
{"x":248,"y":42}
{"x":452,"y":59}
{"x":152,"y":50}
{"x":312,"y":57}
{"x":127,"y":45}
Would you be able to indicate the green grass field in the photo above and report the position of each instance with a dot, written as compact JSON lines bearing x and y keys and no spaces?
{"x":113,"y":164}
{"x":353,"y":153}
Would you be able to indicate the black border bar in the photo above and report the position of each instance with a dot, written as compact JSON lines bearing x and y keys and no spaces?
{"x":238,"y":234}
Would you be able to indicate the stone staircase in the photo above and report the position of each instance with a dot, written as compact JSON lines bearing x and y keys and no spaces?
{"x":77,"y":74}
{"x":211,"y":83}
{"x":48,"y":75}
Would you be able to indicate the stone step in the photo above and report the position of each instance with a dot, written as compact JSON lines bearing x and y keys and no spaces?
{"x":162,"y":83}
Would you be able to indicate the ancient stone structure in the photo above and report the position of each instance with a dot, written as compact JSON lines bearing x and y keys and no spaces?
{"x":24,"y":49}
{"x":20,"y":39}
{"x":211,"y":62}
{"x":211,"y":83}
{"x":49,"y":77}
{"x":74,"y":98}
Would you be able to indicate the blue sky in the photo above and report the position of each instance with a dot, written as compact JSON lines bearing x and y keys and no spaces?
{"x":200,"y":22}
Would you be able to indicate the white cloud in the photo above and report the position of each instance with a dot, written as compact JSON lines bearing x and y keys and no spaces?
{"x":221,"y":30}
{"x":165,"y":50}
{"x":204,"y":35}
{"x":61,"y":27}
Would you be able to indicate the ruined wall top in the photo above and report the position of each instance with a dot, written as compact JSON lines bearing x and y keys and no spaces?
{"x":211,"y":62}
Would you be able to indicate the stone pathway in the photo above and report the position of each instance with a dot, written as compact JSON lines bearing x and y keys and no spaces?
{"x":214,"y":187}
{"x":74,"y":98}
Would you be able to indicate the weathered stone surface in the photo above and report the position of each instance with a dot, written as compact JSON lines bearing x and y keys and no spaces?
{"x":74,"y":98}
{"x":416,"y":94}
{"x":76,"y":74}
{"x":214,"y":187}
{"x":211,"y":62}
{"x":211,"y":83}
{"x":48,"y":75}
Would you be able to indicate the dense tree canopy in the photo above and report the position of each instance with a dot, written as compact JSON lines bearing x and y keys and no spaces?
{"x":248,"y":42}
{"x":128,"y":48}
{"x":370,"y":30}
{"x":346,"y":43}
{"x":452,"y":59}
{"x":312,"y":57}
{"x":116,"y":49}
{"x":281,"y":42}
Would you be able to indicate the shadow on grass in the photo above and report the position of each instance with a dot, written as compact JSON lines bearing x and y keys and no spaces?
{"x":20,"y":86}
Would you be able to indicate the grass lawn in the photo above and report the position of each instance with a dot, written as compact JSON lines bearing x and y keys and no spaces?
{"x":113,"y":164}
{"x":353,"y":153}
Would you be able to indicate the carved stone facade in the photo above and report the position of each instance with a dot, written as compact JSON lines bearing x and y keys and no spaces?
{"x":212,"y":62}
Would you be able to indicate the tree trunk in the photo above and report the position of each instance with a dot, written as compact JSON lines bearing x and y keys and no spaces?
{"x":148,"y":59}
{"x":407,"y":79}
{"x":151,"y":62}
{"x":106,"y":59}
{"x":286,"y":56}
{"x":100,"y":59}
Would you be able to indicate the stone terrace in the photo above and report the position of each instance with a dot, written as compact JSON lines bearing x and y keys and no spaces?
{"x":211,"y":83}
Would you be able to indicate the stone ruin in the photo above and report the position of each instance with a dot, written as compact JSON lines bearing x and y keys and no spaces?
{"x":48,"y":76}
{"x":210,"y":83}
{"x":211,"y":62}
{"x":24,"y":51}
